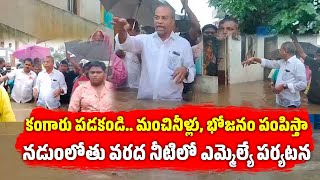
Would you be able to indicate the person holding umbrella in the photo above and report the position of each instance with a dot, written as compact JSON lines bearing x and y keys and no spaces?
{"x":37,"y":68}
{"x":99,"y":48}
{"x":118,"y":71}
{"x":69,"y":76}
{"x":314,"y":65}
{"x":192,"y":35}
{"x":167,"y":59}
{"x":194,"y":31}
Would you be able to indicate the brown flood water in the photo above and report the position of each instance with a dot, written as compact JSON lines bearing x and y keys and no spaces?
{"x":254,"y":94}
{"x":12,"y":167}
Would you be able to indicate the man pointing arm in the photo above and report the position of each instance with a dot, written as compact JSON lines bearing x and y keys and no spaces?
{"x":166,"y":58}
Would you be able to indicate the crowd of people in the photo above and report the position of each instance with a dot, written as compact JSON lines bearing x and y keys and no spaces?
{"x":162,"y":65}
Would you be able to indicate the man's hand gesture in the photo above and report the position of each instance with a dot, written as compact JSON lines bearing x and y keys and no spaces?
{"x":121,"y":23}
{"x":248,"y":62}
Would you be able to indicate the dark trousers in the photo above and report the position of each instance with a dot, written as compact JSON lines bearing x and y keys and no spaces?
{"x":187,"y":87}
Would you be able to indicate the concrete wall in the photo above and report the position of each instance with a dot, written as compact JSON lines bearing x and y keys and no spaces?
{"x":62,"y":4}
{"x":237,"y":73}
{"x":45,"y":21}
{"x":15,"y":37}
{"x":90,"y":10}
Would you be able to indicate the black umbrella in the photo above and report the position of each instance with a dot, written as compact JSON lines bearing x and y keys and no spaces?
{"x":141,"y":10}
{"x":308,"y":48}
{"x":89,"y":50}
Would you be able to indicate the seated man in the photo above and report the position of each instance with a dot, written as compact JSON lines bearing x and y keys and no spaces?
{"x":24,"y":80}
{"x":95,"y":95}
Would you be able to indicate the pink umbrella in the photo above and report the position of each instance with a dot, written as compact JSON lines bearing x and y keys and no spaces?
{"x":32,"y":51}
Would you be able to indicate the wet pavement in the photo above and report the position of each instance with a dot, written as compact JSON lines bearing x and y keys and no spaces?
{"x":252,"y":94}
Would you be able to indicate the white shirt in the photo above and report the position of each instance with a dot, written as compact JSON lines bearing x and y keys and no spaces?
{"x":159,"y":61}
{"x":293,"y":73}
{"x":23,"y":84}
{"x":46,"y":84}
{"x":133,"y":67}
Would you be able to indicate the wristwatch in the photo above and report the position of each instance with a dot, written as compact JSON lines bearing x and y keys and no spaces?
{"x":285,"y":86}
{"x":187,"y":73}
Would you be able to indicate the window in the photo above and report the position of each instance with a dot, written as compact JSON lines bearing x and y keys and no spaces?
{"x":73,"y":6}
{"x":247,"y":47}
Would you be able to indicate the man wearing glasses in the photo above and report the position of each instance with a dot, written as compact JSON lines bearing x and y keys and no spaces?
{"x":167,"y":59}
{"x":50,"y":85}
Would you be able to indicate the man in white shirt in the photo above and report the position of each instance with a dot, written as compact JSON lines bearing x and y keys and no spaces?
{"x":50,"y":84}
{"x":291,"y":78}
{"x":167,"y":59}
{"x":24,"y":80}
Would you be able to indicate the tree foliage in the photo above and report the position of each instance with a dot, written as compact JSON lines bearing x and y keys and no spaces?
{"x":283,"y":16}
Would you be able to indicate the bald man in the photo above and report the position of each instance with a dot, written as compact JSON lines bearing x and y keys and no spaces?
{"x":50,"y":85}
{"x":291,"y":78}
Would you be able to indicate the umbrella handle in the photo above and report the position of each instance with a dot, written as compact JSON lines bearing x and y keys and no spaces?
{"x":183,"y":10}
{"x":108,"y":69}
{"x":136,"y":13}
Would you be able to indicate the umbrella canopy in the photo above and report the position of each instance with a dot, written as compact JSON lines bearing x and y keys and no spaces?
{"x":89,"y":50}
{"x":130,"y":9}
{"x":308,"y":48}
{"x":71,"y":44}
{"x":32,"y":51}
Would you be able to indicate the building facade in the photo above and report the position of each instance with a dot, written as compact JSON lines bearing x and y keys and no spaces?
{"x":38,"y":21}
